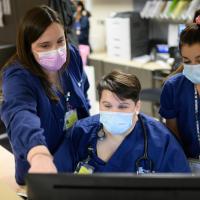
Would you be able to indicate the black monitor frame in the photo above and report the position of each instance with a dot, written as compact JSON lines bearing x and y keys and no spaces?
{"x":113,"y":186}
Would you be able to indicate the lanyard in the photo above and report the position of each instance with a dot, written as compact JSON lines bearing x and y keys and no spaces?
{"x":67,"y":97}
{"x":197,"y":113}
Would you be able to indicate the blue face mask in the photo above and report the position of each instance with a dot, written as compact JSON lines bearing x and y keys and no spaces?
{"x":116,"y":123}
{"x":192,"y":72}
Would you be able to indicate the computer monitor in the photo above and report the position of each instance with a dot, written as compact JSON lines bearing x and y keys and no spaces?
{"x":113,"y":186}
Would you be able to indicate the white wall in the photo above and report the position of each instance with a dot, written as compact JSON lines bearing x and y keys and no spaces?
{"x":100,"y":10}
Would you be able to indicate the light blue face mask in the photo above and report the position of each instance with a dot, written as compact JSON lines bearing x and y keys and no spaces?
{"x":116,"y":123}
{"x":192,"y":72}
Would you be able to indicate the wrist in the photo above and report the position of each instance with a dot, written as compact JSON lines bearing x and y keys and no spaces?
{"x":38,"y":151}
{"x":37,"y":156}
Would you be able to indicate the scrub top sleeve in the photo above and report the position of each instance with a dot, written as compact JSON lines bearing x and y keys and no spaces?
{"x":174,"y":159}
{"x":167,"y":102}
{"x":19,"y":114}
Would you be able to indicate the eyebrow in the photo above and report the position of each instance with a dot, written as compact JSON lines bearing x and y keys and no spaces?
{"x":189,"y":59}
{"x":44,"y":43}
{"x":121,"y":103}
{"x":105,"y":102}
{"x":62,"y":37}
{"x":124,"y":103}
{"x":47,"y":42}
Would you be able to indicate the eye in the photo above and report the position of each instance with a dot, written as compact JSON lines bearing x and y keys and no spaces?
{"x":186,"y":61}
{"x":198,"y":61}
{"x":61,"y":41}
{"x":107,"y":106}
{"x":44,"y":45}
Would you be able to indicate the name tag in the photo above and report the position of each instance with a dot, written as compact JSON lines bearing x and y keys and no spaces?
{"x":84,"y":168}
{"x":194,"y":165}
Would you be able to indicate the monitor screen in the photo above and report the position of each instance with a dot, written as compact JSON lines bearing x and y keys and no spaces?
{"x":113,"y":186}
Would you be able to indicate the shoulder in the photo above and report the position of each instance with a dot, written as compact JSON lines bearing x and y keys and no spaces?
{"x":84,"y":18}
{"x":158,"y":133}
{"x":175,"y":80}
{"x":75,"y":67}
{"x":87,"y":123}
{"x":155,"y":128}
{"x":75,"y":63}
{"x":175,"y":86}
{"x":16,"y":70}
{"x":74,"y":53}
{"x":83,"y":129}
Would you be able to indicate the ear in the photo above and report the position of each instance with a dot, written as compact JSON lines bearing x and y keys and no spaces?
{"x":137,"y":107}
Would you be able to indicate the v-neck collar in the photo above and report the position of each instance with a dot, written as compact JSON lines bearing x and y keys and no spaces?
{"x":123,"y":149}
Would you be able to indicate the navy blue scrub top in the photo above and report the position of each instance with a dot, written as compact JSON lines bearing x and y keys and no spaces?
{"x":31,"y":118}
{"x":163,"y":149}
{"x":177,"y":101}
{"x":83,"y":26}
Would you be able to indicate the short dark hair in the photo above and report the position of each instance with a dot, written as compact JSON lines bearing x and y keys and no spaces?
{"x":124,"y":85}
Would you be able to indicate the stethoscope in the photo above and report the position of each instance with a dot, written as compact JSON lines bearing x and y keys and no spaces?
{"x":144,"y":158}
{"x":138,"y":164}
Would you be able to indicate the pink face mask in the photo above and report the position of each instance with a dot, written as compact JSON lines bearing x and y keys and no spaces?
{"x":52,"y":60}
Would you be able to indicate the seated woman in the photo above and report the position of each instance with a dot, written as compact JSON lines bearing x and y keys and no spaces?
{"x":120,"y":138}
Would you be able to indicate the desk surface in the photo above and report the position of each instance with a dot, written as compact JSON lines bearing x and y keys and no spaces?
{"x":151,"y":66}
{"x":7,"y":171}
{"x":7,"y":193}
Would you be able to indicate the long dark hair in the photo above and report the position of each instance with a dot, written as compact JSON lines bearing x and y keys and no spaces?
{"x":32,"y":26}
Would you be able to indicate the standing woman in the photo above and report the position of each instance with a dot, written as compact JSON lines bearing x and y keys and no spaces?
{"x":44,"y":89}
{"x":180,"y":101}
{"x":82,"y":24}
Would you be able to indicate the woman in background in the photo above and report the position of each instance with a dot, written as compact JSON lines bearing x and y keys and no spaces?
{"x":82,"y":24}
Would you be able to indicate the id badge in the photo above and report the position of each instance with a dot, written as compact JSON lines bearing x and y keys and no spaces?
{"x":70,"y":118}
{"x":84,"y":168}
{"x":194,"y":165}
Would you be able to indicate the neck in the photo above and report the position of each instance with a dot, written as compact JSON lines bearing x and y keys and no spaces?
{"x":78,"y":16}
{"x":52,"y":76}
{"x":54,"y":80}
